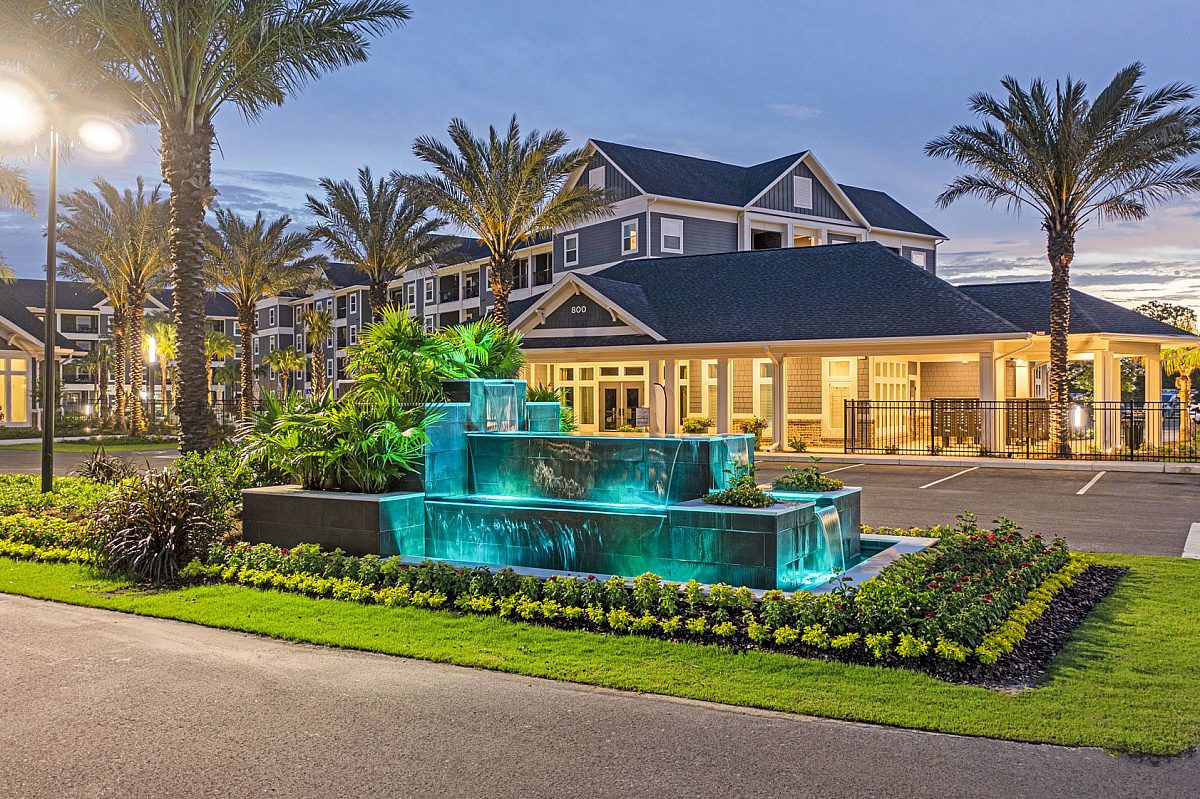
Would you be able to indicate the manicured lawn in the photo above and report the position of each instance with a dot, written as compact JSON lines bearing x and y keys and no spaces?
{"x":90,"y":446}
{"x":1127,"y":681}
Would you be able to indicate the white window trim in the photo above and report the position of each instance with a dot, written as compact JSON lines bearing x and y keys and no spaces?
{"x":430,"y":324}
{"x":353,"y":334}
{"x":329,"y":369}
{"x":596,"y":177}
{"x":410,"y":294}
{"x":626,"y":225}
{"x":429,"y":291}
{"x":913,"y":255}
{"x":802,"y":186}
{"x":573,"y":238}
{"x":256,"y":347}
{"x":663,"y":234}
{"x":271,"y":317}
{"x":353,"y":303}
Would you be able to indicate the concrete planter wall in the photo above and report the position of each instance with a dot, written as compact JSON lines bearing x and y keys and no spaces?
{"x":360,"y":524}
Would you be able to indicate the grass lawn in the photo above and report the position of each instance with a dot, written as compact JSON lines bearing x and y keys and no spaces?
{"x":89,"y":446}
{"x":1127,"y":681}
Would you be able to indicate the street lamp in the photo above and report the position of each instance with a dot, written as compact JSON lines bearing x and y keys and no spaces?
{"x":25,"y":113}
{"x":151,"y":357}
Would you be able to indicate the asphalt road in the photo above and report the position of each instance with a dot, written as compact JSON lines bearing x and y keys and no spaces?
{"x":15,"y":461}
{"x":100,"y":704}
{"x":1130,"y":512}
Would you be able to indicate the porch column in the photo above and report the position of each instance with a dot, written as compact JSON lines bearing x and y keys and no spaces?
{"x":656,"y":399}
{"x":671,"y":383}
{"x":778,"y":404}
{"x":1106,"y":424}
{"x":724,"y":418}
{"x":990,"y":390}
{"x":1153,"y":399}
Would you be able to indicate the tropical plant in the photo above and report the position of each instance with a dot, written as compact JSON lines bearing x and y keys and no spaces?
{"x":696,"y":424}
{"x":486,"y":347}
{"x":217,"y":347}
{"x":807,"y":479}
{"x":98,"y":364}
{"x":285,"y":362}
{"x":166,"y":349}
{"x":743,"y":490}
{"x":1070,"y":160}
{"x":318,"y":327}
{"x":104,"y":468}
{"x":378,"y":228}
{"x":118,"y":242}
{"x":566,"y":416}
{"x":1183,"y":362}
{"x":152,"y":527}
{"x":254,"y":260}
{"x":179,"y":64}
{"x":507,"y":189}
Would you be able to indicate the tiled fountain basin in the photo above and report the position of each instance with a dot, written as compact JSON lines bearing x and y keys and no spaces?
{"x":359,"y":524}
{"x":848,"y":502}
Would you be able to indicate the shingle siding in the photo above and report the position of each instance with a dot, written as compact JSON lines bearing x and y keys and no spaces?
{"x":780,"y":197}
{"x":949,"y":380}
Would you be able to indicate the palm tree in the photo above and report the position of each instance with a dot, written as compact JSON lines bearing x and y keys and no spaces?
{"x":181,"y":63}
{"x":254,"y":260}
{"x":166,"y":344}
{"x":1071,"y":160}
{"x":217,"y":347}
{"x":14,"y":192}
{"x":1183,"y":362}
{"x":506,"y":189}
{"x":227,"y":374}
{"x":318,"y":327}
{"x":377,"y":228}
{"x":118,"y":242}
{"x":284,"y":361}
{"x":97,"y":363}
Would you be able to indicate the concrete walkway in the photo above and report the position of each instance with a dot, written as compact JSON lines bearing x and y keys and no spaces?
{"x":100,"y":704}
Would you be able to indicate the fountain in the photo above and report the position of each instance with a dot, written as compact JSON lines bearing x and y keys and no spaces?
{"x":500,"y":486}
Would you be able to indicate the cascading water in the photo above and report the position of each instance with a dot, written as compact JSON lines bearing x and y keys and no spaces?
{"x":831,"y":527}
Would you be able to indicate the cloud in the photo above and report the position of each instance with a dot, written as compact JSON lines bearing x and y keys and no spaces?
{"x":801,"y":113}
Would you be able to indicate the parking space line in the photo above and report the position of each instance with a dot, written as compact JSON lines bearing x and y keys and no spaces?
{"x":1091,"y":483}
{"x":1191,"y":547}
{"x":844,"y":468}
{"x":951,"y":477}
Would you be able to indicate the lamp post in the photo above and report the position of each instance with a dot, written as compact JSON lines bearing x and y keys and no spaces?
{"x":25,"y":113}
{"x":151,"y":357}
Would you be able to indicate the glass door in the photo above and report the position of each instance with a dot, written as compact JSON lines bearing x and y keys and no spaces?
{"x":619,"y":404}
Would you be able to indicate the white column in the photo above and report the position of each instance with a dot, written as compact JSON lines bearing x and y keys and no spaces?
{"x":656,"y":399}
{"x":1153,"y":400}
{"x":779,"y":404}
{"x":1023,"y":379}
{"x":1105,"y":424}
{"x":724,"y":418}
{"x":989,"y":393}
{"x":671,"y":382}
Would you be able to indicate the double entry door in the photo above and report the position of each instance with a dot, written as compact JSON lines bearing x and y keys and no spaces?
{"x":619,"y":403}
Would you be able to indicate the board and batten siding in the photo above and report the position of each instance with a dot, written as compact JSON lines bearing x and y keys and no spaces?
{"x":618,"y":186}
{"x":700,"y":236}
{"x":600,"y":243}
{"x":930,"y":256}
{"x":780,"y":197}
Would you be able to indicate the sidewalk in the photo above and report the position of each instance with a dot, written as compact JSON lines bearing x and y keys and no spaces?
{"x":1156,"y":467}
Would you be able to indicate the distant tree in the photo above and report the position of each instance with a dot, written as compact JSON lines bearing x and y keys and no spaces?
{"x":217,"y":347}
{"x":1070,"y":160}
{"x":285,"y":362}
{"x":1179,"y":316}
{"x":318,"y":327}
{"x":166,"y":344}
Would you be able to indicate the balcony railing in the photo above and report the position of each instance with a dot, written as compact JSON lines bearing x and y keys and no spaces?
{"x":470,"y":291}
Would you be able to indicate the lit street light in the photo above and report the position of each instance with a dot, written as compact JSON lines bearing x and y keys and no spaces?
{"x":26,"y":113}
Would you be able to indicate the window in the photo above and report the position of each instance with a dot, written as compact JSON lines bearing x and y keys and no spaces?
{"x":470,"y":285}
{"x":596,"y":177}
{"x":635,"y":371}
{"x":341,"y":307}
{"x":353,"y":303}
{"x":571,"y":250}
{"x":672,"y":235}
{"x":256,"y":345}
{"x":610,"y":371}
{"x":353,"y":334}
{"x":802,"y":192}
{"x":329,"y":368}
{"x":918,"y":257}
{"x":841,"y":238}
{"x":270,"y":317}
{"x":629,"y":236}
{"x":521,"y":273}
{"x":410,"y":294}
{"x":543,"y":271}
{"x":566,"y":374}
{"x":803,"y":239}
{"x":271,"y":346}
{"x":429,"y":323}
{"x":587,"y":373}
{"x":429,"y":292}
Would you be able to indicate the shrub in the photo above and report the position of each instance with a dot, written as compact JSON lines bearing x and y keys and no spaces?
{"x":798,"y":444}
{"x":743,"y":491}
{"x":696,"y":424}
{"x":808,"y":479}
{"x":566,"y":416}
{"x":72,"y":497}
{"x":754,"y":425}
{"x":152,"y":527}
{"x":222,"y":474}
{"x":104,"y":468}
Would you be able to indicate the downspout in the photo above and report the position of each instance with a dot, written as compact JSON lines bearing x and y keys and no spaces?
{"x":649,"y":238}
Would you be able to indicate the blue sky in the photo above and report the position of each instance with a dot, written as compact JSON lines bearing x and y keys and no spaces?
{"x":862,"y":84}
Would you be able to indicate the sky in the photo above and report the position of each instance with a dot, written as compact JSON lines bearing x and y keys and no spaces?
{"x":862,"y":84}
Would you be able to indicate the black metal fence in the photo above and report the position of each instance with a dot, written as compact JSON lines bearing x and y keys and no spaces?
{"x":1150,"y":431}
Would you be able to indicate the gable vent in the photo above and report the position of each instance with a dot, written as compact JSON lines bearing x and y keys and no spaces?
{"x":802,"y":192}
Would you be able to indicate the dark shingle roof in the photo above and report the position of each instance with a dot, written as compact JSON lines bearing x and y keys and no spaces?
{"x":843,"y":291}
{"x":68,"y":295}
{"x":1027,"y":305}
{"x":690,"y":178}
{"x":215,"y":303}
{"x":881,"y":210}
{"x":13,"y":308}
{"x":344,"y":275}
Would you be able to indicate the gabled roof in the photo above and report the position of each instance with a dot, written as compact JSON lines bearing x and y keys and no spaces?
{"x":844,"y":291}
{"x":883,"y":211}
{"x":14,"y":310}
{"x":68,"y":295}
{"x":689,"y":178}
{"x":344,"y":275}
{"x":215,"y":302}
{"x":1027,"y":305}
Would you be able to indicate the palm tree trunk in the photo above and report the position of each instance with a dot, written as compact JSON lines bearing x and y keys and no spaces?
{"x":120,"y":364}
{"x":378,"y":297}
{"x":318,"y":372}
{"x":187,"y":169}
{"x":162,"y":367}
{"x":1060,"y":249}
{"x":133,"y":336}
{"x":500,"y":282}
{"x":102,"y":385}
{"x":247,"y":320}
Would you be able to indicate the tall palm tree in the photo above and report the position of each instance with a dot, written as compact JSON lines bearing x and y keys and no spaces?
{"x":506,"y":189}
{"x":376,"y":227}
{"x":118,"y":242}
{"x":1071,"y":160}
{"x":254,"y":260}
{"x":97,"y":363}
{"x":14,"y":192}
{"x":318,"y":327}
{"x":1183,"y":362}
{"x":180,"y":64}
{"x":285,"y":361}
{"x":166,"y":344}
{"x":217,"y":347}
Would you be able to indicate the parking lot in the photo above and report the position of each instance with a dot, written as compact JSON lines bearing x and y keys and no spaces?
{"x":1130,"y":512}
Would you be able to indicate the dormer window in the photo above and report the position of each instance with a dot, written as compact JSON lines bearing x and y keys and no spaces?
{"x":629,"y":237}
{"x":917,"y":257}
{"x":672,"y":236}
{"x":802,"y":192}
{"x":596,"y":177}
